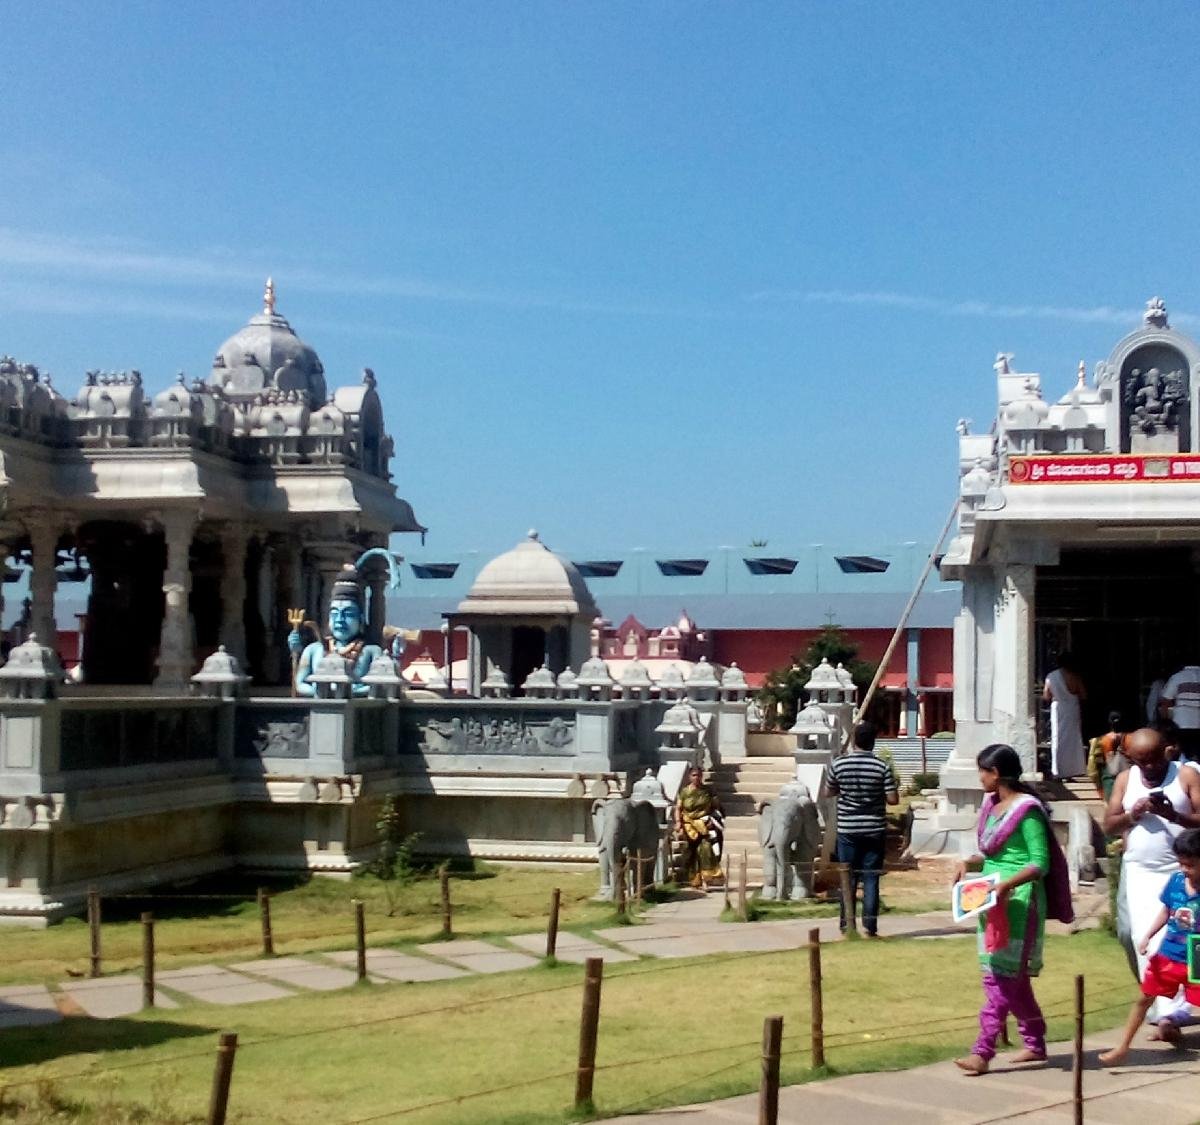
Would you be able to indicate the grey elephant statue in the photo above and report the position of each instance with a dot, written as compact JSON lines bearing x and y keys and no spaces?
{"x":789,"y":830}
{"x":624,"y":827}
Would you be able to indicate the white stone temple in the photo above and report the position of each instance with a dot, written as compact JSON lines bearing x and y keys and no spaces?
{"x":201,"y":513}
{"x":1079,"y":529}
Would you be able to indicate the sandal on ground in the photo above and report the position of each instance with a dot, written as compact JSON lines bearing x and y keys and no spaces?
{"x":972,"y":1065}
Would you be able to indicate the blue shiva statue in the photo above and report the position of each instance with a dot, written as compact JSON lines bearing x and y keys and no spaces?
{"x":346,"y":628}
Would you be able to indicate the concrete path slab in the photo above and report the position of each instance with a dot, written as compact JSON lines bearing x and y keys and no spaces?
{"x":27,"y":1005}
{"x":388,"y":964}
{"x":107,"y":998}
{"x":571,"y":948}
{"x":479,"y":956}
{"x":299,"y":973}
{"x":214,"y":985}
{"x":1159,"y":1084}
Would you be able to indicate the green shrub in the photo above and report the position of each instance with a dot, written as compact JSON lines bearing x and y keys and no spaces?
{"x":923,"y":781}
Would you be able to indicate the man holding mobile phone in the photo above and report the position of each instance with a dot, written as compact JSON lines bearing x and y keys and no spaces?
{"x":1152,"y":802}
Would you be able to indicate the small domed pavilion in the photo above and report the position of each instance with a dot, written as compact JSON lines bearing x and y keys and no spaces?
{"x":527,"y":608}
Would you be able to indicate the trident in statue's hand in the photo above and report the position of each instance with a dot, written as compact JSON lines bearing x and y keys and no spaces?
{"x":295,"y":641}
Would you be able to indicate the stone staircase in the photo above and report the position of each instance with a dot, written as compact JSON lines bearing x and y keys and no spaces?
{"x":739,"y":786}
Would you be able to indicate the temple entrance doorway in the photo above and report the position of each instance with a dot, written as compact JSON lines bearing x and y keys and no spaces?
{"x":528,"y":652}
{"x":125,"y":608}
{"x":1129,"y":614}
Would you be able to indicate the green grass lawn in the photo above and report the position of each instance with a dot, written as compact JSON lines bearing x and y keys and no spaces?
{"x":670,"y":1032}
{"x":314,"y":915}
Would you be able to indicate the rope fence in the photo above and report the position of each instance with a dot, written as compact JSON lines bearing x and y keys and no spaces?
{"x":834,"y":1040}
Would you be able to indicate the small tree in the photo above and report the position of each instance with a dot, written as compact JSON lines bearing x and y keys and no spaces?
{"x":784,"y":690}
{"x":393,"y":866}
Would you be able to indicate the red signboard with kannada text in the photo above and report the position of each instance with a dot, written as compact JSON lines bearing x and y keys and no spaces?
{"x":1104,"y":468}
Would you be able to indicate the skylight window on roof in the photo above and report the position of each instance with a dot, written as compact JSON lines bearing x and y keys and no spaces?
{"x":434,"y":570}
{"x":862,"y":564}
{"x":770,"y":566}
{"x":602,"y":568}
{"x":682,"y":568}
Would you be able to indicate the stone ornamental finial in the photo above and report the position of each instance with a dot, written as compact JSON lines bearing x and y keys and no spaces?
{"x":269,"y":298}
{"x":532,"y":534}
{"x":963,"y":427}
{"x":1081,"y":376}
{"x":1003,"y":360}
{"x":1156,"y":313}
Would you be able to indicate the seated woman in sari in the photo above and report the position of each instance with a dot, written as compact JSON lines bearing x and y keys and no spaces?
{"x":699,"y":824}
{"x":1018,"y":844}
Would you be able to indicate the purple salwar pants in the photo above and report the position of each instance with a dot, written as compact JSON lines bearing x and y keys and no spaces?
{"x":1002,"y":995}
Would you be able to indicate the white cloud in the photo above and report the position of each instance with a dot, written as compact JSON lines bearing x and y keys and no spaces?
{"x":1095,"y":314}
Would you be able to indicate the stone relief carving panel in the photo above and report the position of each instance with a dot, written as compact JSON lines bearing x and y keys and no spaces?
{"x":277,"y":732}
{"x":482,"y":732}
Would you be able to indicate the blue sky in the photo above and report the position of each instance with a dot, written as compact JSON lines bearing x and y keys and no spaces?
{"x":636,"y":274}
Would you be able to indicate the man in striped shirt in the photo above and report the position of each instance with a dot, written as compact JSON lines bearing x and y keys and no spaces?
{"x":863,"y":785}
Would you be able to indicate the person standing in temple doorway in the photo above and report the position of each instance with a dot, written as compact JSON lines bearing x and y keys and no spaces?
{"x":1065,"y":692}
{"x":1180,"y":702}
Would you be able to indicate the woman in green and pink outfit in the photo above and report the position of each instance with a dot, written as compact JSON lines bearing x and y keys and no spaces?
{"x":1017,"y":843}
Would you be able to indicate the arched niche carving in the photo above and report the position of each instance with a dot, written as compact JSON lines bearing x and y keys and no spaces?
{"x":1155,"y":397}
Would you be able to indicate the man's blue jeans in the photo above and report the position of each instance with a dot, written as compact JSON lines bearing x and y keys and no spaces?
{"x":864,"y":853}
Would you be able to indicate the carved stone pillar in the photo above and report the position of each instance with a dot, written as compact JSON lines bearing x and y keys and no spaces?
{"x":329,"y":565}
{"x":233,"y":590}
{"x":45,"y":530}
{"x":1013,"y":691}
{"x":175,"y":658}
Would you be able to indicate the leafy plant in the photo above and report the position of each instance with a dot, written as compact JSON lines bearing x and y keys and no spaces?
{"x":394,"y":866}
{"x":923,"y":781}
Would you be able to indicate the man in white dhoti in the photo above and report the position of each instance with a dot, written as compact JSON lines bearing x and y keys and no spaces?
{"x":1065,"y":693}
{"x":1152,"y":802}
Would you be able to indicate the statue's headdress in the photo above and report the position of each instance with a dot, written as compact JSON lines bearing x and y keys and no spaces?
{"x":347,"y":587}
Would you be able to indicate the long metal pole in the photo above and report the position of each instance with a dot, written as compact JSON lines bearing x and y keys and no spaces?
{"x":869,"y":694}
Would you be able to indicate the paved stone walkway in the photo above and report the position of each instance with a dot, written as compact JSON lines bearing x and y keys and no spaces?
{"x":1159,"y":1085}
{"x":688,"y":927}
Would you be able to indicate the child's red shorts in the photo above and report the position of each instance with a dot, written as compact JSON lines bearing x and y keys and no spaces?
{"x":1165,"y":977}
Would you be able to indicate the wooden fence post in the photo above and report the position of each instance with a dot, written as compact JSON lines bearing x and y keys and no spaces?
{"x":816,"y":1001}
{"x":849,"y":906}
{"x":768,"y":1087}
{"x":1077,"y":1054}
{"x":622,"y":888}
{"x":447,"y":917}
{"x":222,"y":1078}
{"x":552,"y":924}
{"x":264,"y":911}
{"x":728,"y":877}
{"x":639,"y":878}
{"x":360,"y":938}
{"x":589,"y":1026}
{"x":147,"y":960}
{"x":741,"y":899}
{"x":93,"y":917}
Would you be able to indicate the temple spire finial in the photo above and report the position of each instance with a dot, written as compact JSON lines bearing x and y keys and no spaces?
{"x":269,"y":297}
{"x":1081,"y":376}
{"x":1155,"y":315}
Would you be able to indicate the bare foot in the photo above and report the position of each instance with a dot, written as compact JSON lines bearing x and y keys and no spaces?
{"x":972,"y":1065}
{"x":1028,"y":1056}
{"x":1114,"y":1057}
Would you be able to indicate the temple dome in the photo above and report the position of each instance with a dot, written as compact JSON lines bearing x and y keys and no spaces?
{"x":529,"y":579}
{"x":267,"y":354}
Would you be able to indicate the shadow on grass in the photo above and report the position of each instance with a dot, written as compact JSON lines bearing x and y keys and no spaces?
{"x":76,"y":1035}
